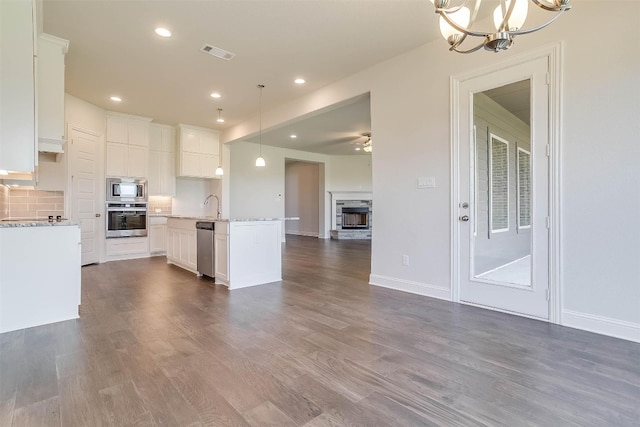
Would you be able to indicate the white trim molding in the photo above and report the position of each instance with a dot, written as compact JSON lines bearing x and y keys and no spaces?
{"x":439,"y":292}
{"x":601,"y":325}
{"x":553,"y":53}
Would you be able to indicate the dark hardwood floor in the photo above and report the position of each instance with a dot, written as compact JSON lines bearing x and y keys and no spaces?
{"x":157,"y":346}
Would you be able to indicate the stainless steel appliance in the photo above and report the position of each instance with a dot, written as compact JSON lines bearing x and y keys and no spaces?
{"x":126,"y":190}
{"x":206,"y":265}
{"x":126,"y":219}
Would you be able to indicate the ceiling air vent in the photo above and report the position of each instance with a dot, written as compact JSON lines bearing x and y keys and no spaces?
{"x":217,"y":52}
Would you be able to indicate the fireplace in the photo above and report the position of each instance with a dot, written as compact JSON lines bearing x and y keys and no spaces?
{"x":355,"y":218}
{"x":352,"y":216}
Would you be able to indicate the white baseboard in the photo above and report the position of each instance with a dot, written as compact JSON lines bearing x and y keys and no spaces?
{"x":303,"y":233}
{"x":601,"y":325}
{"x":411,"y":287}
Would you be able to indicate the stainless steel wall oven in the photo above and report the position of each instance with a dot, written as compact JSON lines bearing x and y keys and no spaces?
{"x":126,"y":219}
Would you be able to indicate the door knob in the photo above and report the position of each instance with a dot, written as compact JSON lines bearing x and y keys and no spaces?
{"x":464,"y":218}
{"x":97,"y":215}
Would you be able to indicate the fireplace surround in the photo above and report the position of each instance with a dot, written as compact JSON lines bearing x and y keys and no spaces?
{"x":352,"y":215}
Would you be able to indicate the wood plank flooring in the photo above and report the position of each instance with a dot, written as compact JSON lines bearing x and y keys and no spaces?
{"x":155,"y":345}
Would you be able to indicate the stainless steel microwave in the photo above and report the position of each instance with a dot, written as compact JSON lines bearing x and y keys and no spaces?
{"x":126,"y":190}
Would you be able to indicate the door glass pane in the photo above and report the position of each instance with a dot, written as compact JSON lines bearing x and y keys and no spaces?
{"x":501,"y":236}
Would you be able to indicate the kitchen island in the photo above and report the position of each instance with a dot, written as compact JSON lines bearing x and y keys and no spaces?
{"x":39,"y":273}
{"x":247,"y":251}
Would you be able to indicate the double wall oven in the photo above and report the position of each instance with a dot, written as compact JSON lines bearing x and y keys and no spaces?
{"x":126,"y":207}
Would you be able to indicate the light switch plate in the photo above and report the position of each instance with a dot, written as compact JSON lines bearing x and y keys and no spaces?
{"x":426,"y":182}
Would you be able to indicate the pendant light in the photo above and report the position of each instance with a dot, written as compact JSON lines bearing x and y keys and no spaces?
{"x":260,"y":160}
{"x":219,"y":170}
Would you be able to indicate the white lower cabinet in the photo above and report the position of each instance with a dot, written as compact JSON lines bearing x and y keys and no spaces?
{"x":127,"y":248}
{"x":221,"y":252}
{"x":157,"y":235}
{"x":182,"y":244}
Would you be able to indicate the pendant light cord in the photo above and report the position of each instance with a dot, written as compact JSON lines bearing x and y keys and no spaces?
{"x":260,"y":117}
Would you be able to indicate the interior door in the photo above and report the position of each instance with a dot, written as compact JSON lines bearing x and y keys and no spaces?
{"x":84,"y":197}
{"x":503,"y":209}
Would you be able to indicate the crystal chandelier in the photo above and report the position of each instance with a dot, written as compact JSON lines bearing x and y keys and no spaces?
{"x":457,"y":20}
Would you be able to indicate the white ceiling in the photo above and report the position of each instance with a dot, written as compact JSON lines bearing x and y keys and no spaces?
{"x":113,"y":50}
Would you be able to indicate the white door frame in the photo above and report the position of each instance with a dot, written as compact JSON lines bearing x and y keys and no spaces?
{"x":554,"y":55}
{"x":100,"y":178}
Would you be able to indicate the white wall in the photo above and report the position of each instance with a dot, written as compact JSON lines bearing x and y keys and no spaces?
{"x":350,"y":173}
{"x":600,"y":247}
{"x":302,"y":188}
{"x":191,"y":194}
{"x":254,"y":191}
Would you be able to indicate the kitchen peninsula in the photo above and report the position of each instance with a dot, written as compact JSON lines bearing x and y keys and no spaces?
{"x":39,"y":272}
{"x":247,"y":250}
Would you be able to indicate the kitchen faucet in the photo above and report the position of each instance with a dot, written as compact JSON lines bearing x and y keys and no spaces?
{"x":206,"y":201}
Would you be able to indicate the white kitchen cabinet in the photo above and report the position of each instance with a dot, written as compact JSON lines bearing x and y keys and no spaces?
{"x":51,"y":53}
{"x":127,"y":248}
{"x":117,"y":159}
{"x":182,"y":244}
{"x":162,"y":163}
{"x":18,"y":132}
{"x":221,"y":251}
{"x":157,"y":235}
{"x":127,"y":145}
{"x":197,"y":154}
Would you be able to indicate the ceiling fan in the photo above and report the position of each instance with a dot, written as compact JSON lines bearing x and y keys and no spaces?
{"x":368,"y":145}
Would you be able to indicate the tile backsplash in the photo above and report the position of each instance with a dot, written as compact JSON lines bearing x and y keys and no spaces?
{"x":24,"y":203}
{"x":163,"y":203}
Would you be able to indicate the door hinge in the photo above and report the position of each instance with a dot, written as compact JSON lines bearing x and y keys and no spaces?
{"x":546,"y":294}
{"x":548,"y":150}
{"x":547,"y":222}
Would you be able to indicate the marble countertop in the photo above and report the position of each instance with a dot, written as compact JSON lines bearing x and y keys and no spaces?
{"x":34,"y":222}
{"x":214,"y":219}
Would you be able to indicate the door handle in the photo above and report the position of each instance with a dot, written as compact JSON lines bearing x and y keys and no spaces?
{"x":97,"y":215}
{"x":464,"y":218}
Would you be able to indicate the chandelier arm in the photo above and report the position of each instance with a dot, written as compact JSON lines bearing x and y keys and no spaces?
{"x":473,"y":49}
{"x":453,"y":9}
{"x":461,"y":29}
{"x":539,"y":27}
{"x":507,"y":15}
{"x":551,"y":8}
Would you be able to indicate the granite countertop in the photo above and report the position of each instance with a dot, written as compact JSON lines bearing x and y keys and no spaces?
{"x":34,"y":222}
{"x":214,"y":219}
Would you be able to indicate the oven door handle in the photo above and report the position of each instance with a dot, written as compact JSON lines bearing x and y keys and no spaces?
{"x":126,"y":210}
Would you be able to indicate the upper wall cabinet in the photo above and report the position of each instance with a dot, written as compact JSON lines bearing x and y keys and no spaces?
{"x":197,"y":151}
{"x":127,"y":145}
{"x":51,"y":53}
{"x":17,"y":89}
{"x":162,"y":160}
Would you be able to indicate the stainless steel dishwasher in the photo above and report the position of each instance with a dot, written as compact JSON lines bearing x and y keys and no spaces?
{"x":206,"y":264}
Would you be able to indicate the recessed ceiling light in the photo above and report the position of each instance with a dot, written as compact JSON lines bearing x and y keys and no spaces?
{"x":163,"y":32}
{"x":215,"y":95}
{"x":115,"y":98}
{"x":358,"y":149}
{"x":293,"y":136}
{"x":299,"y":81}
